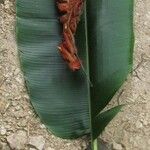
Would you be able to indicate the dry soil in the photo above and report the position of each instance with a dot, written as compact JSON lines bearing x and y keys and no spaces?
{"x":130,"y":130}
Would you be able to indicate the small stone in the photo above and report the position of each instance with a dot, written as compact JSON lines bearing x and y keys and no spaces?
{"x":19,"y":114}
{"x":145,"y":122}
{"x":139,"y":124}
{"x":17,"y":108}
{"x":103,"y":145}
{"x":3,"y":130}
{"x":14,"y":103}
{"x":37,"y":141}
{"x":16,"y":71}
{"x":84,"y":145}
{"x":117,"y":146}
{"x":17,"y":140}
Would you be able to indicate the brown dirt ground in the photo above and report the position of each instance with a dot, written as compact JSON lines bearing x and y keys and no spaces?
{"x":130,"y":130}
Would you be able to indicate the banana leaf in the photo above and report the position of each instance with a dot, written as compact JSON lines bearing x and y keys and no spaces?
{"x":64,"y":100}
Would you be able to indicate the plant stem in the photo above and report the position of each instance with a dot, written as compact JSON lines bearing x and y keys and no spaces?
{"x":95,"y":145}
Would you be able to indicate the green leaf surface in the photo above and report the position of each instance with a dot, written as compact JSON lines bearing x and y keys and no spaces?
{"x":63,"y":99}
{"x":102,"y":120}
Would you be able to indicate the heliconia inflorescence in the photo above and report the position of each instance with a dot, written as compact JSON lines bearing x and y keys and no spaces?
{"x":71,"y":11}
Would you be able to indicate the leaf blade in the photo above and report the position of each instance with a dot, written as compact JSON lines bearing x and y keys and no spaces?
{"x":59,"y":96}
{"x":48,"y":78}
{"x":103,"y":119}
{"x":111,"y":48}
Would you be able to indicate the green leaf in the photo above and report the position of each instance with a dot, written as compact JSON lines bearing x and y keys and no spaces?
{"x":111,"y":46}
{"x":102,"y":120}
{"x":63,"y":99}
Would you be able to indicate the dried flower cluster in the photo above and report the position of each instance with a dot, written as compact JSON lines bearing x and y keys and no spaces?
{"x":71,"y":11}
